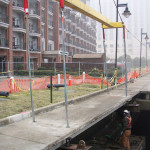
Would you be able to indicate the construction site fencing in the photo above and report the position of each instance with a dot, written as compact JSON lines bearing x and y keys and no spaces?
{"x":74,"y":68}
{"x":78,"y":72}
{"x":20,"y":85}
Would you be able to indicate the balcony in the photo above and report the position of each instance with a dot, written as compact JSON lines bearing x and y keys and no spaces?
{"x":43,"y":19}
{"x":34,"y":49}
{"x":19,"y":28}
{"x":60,"y":41}
{"x":43,"y":3}
{"x":19,"y":46}
{"x":4,"y":21}
{"x":51,"y":37}
{"x":68,"y":31}
{"x":50,"y":10}
{"x":34,"y":32}
{"x":50,"y":25}
{"x":18,"y":6}
{"x":4,"y":43}
{"x":34,"y":13}
{"x":4,"y":2}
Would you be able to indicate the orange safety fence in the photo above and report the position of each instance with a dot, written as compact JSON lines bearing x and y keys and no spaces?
{"x":92,"y":80}
{"x":20,"y":85}
{"x":133,"y":75}
{"x":5,"y":85}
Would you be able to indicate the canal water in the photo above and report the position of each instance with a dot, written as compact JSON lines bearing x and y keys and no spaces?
{"x":106,"y":134}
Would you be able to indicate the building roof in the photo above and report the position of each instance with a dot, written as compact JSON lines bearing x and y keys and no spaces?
{"x":97,"y":55}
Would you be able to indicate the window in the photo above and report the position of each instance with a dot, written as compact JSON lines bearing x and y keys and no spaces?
{"x":45,"y":60}
{"x":50,"y":47}
{"x":31,"y":27}
{"x":15,"y":42}
{"x":16,"y":22}
{"x":51,"y":35}
{"x":43,"y":45}
{"x":42,"y":32}
{"x":18,"y":65}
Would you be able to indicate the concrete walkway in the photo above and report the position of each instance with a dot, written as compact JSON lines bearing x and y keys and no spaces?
{"x":50,"y":131}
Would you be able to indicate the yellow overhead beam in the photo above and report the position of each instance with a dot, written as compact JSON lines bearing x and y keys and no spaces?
{"x":117,"y":24}
{"x":88,"y":11}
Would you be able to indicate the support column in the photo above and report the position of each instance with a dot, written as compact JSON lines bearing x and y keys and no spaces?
{"x":46,"y":24}
{"x":56,"y":26}
{"x":40,"y":29}
{"x":10,"y":36}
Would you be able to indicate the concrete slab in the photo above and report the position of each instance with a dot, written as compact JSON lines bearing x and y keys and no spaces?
{"x":50,"y":131}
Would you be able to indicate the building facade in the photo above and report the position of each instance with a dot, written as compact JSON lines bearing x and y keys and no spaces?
{"x":139,"y":19}
{"x":45,"y":33}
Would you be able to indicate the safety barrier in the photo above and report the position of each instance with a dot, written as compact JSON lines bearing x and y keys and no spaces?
{"x":130,"y":75}
{"x":21,"y":85}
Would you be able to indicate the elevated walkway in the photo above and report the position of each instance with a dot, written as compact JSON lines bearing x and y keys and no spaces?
{"x":49,"y":131}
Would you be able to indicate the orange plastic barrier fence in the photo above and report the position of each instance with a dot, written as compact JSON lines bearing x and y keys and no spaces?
{"x":133,"y":75}
{"x":5,"y":85}
{"x":92,"y":80}
{"x":20,"y":85}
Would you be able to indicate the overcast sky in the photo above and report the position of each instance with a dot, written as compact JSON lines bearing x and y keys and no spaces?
{"x":139,"y":10}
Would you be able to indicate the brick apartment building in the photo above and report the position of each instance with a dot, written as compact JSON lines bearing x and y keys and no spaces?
{"x":45,"y":33}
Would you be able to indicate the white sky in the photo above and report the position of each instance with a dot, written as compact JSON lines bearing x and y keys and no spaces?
{"x":140,"y":17}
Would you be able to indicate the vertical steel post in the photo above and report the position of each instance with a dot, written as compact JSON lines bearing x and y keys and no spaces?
{"x":29,"y":67}
{"x":146,"y":56}
{"x":51,"y":88}
{"x":126,"y":90}
{"x":140,"y":53}
{"x":105,"y":67}
{"x":116,"y":35}
{"x":79,"y":68}
{"x":122,"y":68}
{"x":64,"y":69}
{"x":54,"y":69}
{"x":115,"y":80}
{"x":2,"y":66}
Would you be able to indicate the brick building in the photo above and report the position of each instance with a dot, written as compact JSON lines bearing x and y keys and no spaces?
{"x":45,"y":33}
{"x":89,"y":58}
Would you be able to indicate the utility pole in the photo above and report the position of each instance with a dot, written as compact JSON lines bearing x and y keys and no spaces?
{"x":26,"y":9}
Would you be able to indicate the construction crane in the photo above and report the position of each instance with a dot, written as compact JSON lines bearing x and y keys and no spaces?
{"x":88,"y":11}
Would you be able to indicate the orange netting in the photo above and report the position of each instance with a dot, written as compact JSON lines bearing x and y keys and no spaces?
{"x":20,"y":85}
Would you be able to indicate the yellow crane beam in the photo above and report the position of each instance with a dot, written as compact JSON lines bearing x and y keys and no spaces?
{"x":88,"y":11}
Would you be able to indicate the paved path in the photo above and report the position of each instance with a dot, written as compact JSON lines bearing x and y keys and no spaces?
{"x":49,"y":131}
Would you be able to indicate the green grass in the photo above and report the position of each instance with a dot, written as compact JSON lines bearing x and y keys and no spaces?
{"x":21,"y":102}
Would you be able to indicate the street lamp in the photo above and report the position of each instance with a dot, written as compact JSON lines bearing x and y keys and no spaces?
{"x":126,"y":13}
{"x":146,"y":38}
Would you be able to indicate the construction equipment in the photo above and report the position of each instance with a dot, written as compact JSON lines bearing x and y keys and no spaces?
{"x":88,"y":11}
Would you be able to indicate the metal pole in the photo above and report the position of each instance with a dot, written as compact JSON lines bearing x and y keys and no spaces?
{"x":146,"y":55}
{"x":115,"y":79}
{"x":33,"y":69}
{"x":51,"y":88}
{"x":126,"y":90}
{"x":122,"y":68}
{"x":54,"y":69}
{"x":105,"y":67}
{"x":64,"y":69}
{"x":29,"y":67}
{"x":79,"y":68}
{"x":116,"y":35}
{"x":140,"y":52}
{"x":2,"y":65}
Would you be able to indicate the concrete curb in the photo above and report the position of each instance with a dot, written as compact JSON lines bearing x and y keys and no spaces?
{"x":25,"y":115}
